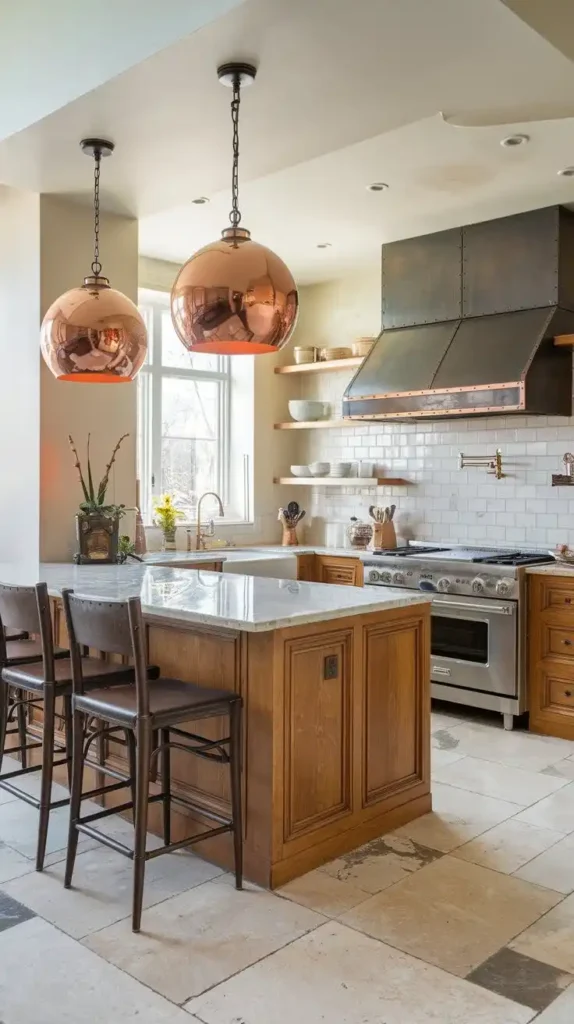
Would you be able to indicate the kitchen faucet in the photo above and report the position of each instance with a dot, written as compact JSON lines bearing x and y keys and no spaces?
{"x":199,"y":537}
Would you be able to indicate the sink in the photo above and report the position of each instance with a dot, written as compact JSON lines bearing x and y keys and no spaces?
{"x":280,"y":567}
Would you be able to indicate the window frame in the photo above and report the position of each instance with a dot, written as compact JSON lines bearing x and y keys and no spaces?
{"x":152,"y":306}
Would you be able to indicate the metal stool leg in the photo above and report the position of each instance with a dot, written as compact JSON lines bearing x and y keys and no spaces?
{"x":21,"y":711}
{"x":4,"y":697}
{"x":143,"y":759}
{"x":166,"y":785}
{"x":131,"y":747}
{"x":47,"y":773}
{"x":67,"y":708}
{"x":235,"y":771}
{"x":76,"y":793}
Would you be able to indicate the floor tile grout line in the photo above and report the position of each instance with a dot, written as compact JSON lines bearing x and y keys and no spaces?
{"x":308,"y":931}
{"x":521,"y":807}
{"x":428,"y":963}
{"x":173,"y":896}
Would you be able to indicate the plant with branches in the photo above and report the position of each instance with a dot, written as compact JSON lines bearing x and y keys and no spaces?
{"x":95,"y":497}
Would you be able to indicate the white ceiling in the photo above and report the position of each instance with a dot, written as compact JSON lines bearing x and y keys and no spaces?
{"x":346,"y":94}
{"x":52,"y":51}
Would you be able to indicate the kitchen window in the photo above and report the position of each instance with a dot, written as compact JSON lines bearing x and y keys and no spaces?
{"x":184,"y":403}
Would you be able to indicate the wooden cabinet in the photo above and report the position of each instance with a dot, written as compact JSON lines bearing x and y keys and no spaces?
{"x":551,"y":655}
{"x":342,"y":569}
{"x":336,"y":734}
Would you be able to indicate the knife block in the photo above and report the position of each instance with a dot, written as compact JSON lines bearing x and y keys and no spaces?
{"x":384,"y":535}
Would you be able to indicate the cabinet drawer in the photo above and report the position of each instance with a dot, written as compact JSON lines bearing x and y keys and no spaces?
{"x":558,"y":641}
{"x":556,"y":595}
{"x":334,"y":574}
{"x":561,"y":694}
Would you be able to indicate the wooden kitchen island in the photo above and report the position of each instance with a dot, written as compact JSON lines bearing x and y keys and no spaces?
{"x":335,"y":684}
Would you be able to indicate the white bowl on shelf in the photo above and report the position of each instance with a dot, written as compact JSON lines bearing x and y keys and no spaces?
{"x":340,"y":469}
{"x":302,"y":410}
{"x":300,"y":471}
{"x":320,"y":468}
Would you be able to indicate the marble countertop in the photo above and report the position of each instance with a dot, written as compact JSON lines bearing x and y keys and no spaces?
{"x":552,"y":569}
{"x":240,"y":602}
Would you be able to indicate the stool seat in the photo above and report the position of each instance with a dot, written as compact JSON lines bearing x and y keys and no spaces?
{"x":96,"y":671}
{"x":170,"y":701}
{"x":21,"y":651}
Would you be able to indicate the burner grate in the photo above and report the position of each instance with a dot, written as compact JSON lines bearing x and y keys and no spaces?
{"x":515,"y":558}
{"x":408,"y":550}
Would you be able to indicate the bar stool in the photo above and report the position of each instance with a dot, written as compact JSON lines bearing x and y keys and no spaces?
{"x":22,"y":649}
{"x":33,"y":666}
{"x":148,"y":708}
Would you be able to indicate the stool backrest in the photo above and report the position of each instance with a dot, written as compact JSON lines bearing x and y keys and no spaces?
{"x":28,"y":609}
{"x":113,"y":627}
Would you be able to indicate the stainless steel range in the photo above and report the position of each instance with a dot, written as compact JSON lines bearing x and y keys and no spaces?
{"x":478,"y":619}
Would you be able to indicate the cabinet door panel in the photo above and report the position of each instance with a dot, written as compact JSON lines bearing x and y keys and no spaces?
{"x":317,"y":748}
{"x":396,"y":687}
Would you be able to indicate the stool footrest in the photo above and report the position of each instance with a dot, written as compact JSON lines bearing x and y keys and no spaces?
{"x":172,"y":847}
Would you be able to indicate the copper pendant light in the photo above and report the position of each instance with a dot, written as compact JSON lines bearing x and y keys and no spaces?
{"x":235,"y":296}
{"x":94,"y":334}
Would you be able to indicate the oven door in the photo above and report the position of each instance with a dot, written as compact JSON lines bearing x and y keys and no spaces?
{"x":474,"y":643}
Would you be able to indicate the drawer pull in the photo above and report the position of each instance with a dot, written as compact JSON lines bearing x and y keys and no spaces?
{"x":567,"y":643}
{"x":567,"y":693}
{"x":567,"y":600}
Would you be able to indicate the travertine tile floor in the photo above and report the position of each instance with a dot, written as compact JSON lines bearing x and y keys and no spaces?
{"x":465,"y":916}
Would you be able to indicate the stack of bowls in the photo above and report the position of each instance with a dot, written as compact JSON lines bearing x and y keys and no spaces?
{"x":340,"y":469}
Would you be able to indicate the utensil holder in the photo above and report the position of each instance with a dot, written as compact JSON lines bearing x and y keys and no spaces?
{"x":384,"y":535}
{"x":289,"y":538}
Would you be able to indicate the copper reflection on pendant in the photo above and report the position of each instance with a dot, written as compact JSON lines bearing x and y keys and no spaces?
{"x":94,"y":334}
{"x":234,"y":297}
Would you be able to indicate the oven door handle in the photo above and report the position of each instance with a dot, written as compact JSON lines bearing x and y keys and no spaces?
{"x":486,"y":608}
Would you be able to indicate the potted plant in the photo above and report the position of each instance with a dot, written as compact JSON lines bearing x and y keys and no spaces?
{"x":97,"y":522}
{"x":166,"y":515}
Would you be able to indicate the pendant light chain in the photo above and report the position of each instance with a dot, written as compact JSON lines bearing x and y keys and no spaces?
{"x":235,"y":215}
{"x":96,"y":265}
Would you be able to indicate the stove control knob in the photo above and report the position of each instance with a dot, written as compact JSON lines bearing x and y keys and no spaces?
{"x":385,"y":577}
{"x":478,"y":584}
{"x":504,"y":587}
{"x":398,"y":577}
{"x":373,"y":576}
{"x":444,"y":585}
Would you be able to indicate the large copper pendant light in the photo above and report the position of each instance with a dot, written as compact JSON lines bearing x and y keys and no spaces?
{"x":234,"y":296}
{"x":94,"y":334}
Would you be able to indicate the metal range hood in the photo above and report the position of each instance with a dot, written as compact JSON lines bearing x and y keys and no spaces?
{"x":469,"y":321}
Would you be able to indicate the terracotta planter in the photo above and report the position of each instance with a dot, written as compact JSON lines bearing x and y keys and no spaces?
{"x":97,"y":537}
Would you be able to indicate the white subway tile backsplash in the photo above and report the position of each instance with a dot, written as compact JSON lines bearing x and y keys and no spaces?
{"x":447,"y":503}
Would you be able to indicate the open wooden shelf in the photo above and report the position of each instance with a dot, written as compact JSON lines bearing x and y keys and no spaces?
{"x":320,"y":367}
{"x":313,"y":424}
{"x":342,"y":481}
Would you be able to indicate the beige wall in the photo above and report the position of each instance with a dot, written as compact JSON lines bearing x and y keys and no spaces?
{"x":104,"y":411}
{"x":19,"y":381}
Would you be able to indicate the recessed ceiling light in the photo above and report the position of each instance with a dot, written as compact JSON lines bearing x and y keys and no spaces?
{"x":567,"y":172}
{"x":377,"y":186}
{"x":200,"y":200}
{"x":515,"y":140}
{"x":323,"y":245}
